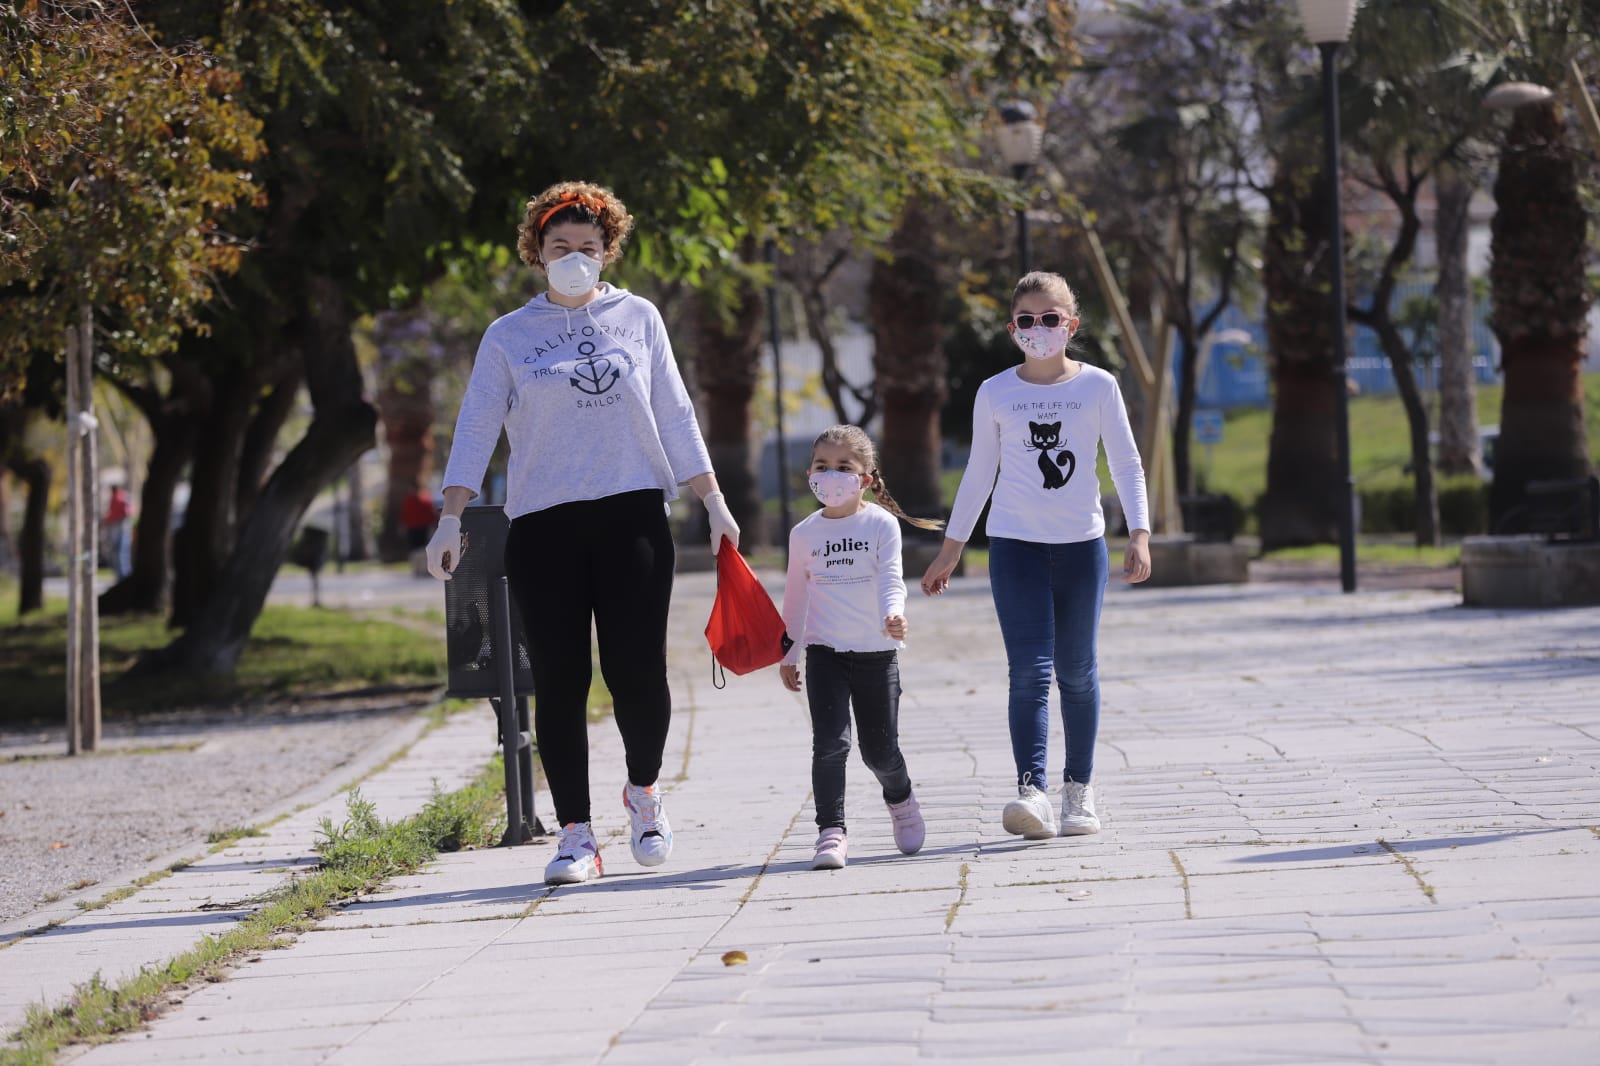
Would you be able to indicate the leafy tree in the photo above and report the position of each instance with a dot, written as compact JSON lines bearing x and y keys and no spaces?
{"x":118,"y":161}
{"x":1539,"y":248}
{"x":1413,"y":106}
{"x":1161,"y":146}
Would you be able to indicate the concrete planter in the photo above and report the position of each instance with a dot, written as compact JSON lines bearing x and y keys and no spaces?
{"x":1529,"y":571}
{"x":1183,"y":560}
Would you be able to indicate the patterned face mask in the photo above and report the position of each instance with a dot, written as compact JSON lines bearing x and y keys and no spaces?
{"x":835,"y":488}
{"x":1041,"y":342}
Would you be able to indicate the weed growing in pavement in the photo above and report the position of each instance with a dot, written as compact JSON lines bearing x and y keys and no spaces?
{"x":357,"y":856}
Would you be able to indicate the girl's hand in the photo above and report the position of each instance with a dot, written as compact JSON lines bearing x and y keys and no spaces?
{"x":937,"y":577}
{"x":895,"y":626}
{"x":790,"y":673}
{"x":1136,"y":560}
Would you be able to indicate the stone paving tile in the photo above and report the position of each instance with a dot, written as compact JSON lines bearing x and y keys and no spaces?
{"x":1240,"y":906}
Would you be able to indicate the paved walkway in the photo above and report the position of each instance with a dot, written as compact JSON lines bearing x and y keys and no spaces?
{"x":1337,"y":829}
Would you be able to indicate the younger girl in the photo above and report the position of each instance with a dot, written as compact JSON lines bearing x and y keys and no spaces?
{"x":1036,"y":431}
{"x":844,"y":603}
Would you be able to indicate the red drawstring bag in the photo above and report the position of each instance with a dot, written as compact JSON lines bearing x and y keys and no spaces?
{"x":745,"y":631}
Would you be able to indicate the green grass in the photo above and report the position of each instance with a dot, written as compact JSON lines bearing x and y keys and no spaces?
{"x":357,"y":856}
{"x":1379,"y":441}
{"x":293,"y":650}
{"x":1374,"y":550}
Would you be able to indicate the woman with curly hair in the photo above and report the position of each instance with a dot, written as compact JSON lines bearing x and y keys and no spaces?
{"x":602,"y":434}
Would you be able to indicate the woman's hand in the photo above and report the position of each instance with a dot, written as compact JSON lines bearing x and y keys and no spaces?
{"x":444,"y":550}
{"x":790,"y":673}
{"x":937,"y":577}
{"x":1136,"y":559}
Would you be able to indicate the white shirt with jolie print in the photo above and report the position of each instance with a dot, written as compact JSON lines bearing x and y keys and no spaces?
{"x":844,"y":580}
{"x":1034,"y":449}
{"x":591,"y":401}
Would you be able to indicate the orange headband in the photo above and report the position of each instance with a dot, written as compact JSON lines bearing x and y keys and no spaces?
{"x":591,"y":202}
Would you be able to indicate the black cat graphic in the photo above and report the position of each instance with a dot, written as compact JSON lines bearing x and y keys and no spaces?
{"x":1047,"y":438}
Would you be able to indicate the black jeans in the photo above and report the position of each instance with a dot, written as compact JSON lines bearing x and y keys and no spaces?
{"x":871,"y":681}
{"x":609,"y":560}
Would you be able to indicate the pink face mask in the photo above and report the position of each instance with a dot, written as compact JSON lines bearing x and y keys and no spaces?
{"x":1041,"y":342}
{"x":835,"y":488}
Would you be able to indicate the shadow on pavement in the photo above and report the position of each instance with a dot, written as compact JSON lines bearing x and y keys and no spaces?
{"x":1350,"y":851}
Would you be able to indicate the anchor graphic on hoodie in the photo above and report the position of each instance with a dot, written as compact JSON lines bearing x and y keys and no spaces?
{"x":595,"y":370}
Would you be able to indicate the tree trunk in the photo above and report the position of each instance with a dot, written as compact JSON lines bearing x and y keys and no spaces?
{"x":905,"y":297}
{"x":145,"y":587}
{"x":342,"y":428}
{"x":255,"y":453}
{"x":208,"y":521}
{"x":1541,"y":301}
{"x":1459,"y":451}
{"x":727,"y":363}
{"x":407,"y":355}
{"x":1183,"y":420}
{"x":355,"y":526}
{"x":1304,"y":482}
{"x":35,"y":473}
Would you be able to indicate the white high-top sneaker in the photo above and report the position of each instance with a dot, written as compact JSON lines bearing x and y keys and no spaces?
{"x":577,"y":857}
{"x":1077,"y":810}
{"x":1030,"y":814}
{"x":650,"y":835}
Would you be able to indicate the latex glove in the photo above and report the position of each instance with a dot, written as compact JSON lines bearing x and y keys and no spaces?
{"x":444,"y":550}
{"x":722,"y":523}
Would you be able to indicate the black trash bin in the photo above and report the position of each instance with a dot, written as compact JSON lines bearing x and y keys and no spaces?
{"x":310,"y":550}
{"x":486,"y":653}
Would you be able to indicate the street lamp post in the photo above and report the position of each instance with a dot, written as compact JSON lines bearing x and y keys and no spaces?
{"x":1020,"y":138}
{"x":1328,"y":24}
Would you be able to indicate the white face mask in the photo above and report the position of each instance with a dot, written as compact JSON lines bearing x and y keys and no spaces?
{"x":1041,"y":342}
{"x":573,"y":274}
{"x":835,"y":488}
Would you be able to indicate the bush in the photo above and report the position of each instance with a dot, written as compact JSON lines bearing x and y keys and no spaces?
{"x":1391,"y":508}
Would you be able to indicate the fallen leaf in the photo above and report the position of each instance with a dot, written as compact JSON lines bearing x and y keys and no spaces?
{"x":734,"y":958}
{"x":58,"y":844}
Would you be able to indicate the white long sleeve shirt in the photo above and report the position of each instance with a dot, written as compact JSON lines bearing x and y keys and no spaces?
{"x":591,"y":401}
{"x":844,"y":580}
{"x":1034,"y":449}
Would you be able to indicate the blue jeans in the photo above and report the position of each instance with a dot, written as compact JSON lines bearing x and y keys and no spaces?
{"x":871,"y":681}
{"x":1048,"y":597}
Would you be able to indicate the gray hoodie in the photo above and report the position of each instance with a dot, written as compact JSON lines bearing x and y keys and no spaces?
{"x":591,"y":401}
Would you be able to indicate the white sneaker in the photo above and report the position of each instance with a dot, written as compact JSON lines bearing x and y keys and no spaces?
{"x":1077,"y":810}
{"x":651,"y":835}
{"x":1030,"y":814}
{"x":577,"y":857}
{"x":833,"y":850}
{"x":909,"y":828}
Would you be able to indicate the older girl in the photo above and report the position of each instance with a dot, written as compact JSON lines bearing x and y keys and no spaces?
{"x":1036,"y":431}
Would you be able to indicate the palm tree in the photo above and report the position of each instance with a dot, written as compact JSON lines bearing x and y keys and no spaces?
{"x":1537,"y":280}
{"x":1538,"y":252}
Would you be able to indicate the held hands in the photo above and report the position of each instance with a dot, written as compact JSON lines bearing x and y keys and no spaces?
{"x":790,"y":673}
{"x":937,"y":577}
{"x":1136,"y":560}
{"x":444,"y":550}
{"x":723,"y":527}
{"x":895,"y":626}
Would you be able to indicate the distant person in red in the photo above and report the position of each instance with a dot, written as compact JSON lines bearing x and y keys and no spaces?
{"x":118,"y":512}
{"x":418,"y":516}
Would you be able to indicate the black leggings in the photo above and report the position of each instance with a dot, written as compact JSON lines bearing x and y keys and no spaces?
{"x":610,"y":560}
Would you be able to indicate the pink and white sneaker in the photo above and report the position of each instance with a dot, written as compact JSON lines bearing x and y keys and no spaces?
{"x":577,"y":857}
{"x":650,"y":836}
{"x":909,"y":828}
{"x":833,"y":850}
